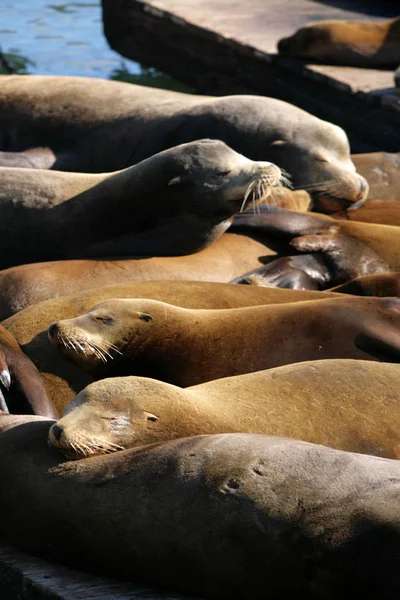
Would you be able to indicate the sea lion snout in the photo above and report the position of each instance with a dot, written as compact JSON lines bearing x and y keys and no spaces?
{"x":56,"y":431}
{"x":52,"y":331}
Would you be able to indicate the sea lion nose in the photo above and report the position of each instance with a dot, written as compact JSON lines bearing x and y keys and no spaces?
{"x":52,"y":329}
{"x":57,"y":431}
{"x":282,"y":45}
{"x":364,"y":188}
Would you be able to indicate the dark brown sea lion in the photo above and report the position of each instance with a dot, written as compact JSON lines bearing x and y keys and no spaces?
{"x":176,"y":202}
{"x":64,"y":380}
{"x":22,"y":390}
{"x":372,"y":45}
{"x":382,"y":171}
{"x":187,"y":346}
{"x":351,"y":248}
{"x":228,"y":257}
{"x":209,"y":515}
{"x":72,"y":116}
{"x":346,"y":404}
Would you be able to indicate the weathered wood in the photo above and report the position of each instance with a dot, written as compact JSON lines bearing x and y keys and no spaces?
{"x":224,"y":46}
{"x":25,"y":577}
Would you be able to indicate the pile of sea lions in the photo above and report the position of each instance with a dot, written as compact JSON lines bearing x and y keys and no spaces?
{"x":199,"y":342}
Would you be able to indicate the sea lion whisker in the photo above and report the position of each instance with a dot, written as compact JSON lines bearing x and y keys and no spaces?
{"x":246,"y":195}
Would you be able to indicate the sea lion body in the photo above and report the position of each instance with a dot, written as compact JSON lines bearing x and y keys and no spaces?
{"x":382,"y":171}
{"x":383,"y":212}
{"x":372,"y":45}
{"x":383,"y":284}
{"x":186,"y":347}
{"x":176,"y":202}
{"x":70,"y":119}
{"x":346,"y":404}
{"x":64,"y":380}
{"x":228,"y":257}
{"x":207,"y":515}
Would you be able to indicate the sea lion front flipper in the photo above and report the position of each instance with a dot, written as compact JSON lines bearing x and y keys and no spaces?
{"x":348,"y":257}
{"x":185,"y":234}
{"x":33,"y":158}
{"x":303,"y":272}
{"x":281,"y":222}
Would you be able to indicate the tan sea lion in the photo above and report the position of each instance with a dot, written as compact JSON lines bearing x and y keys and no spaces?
{"x":346,"y":404}
{"x":384,"y":212}
{"x":228,"y":257}
{"x":70,"y":117}
{"x":383,"y":284}
{"x":382,"y":171}
{"x":207,"y":515}
{"x":22,"y":390}
{"x":372,"y":45}
{"x":190,"y":346}
{"x":176,"y":202}
{"x":64,"y":380}
{"x":351,"y":248}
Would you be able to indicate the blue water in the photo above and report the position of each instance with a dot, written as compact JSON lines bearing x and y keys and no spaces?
{"x":52,"y":38}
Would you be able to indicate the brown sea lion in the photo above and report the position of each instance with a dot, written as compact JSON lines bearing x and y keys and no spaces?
{"x":70,"y":117}
{"x":383,"y":284}
{"x":64,"y":380}
{"x":228,"y":257}
{"x":207,"y":515}
{"x":188,"y":346}
{"x":346,"y":404}
{"x":351,"y":248}
{"x":372,"y":45}
{"x":382,"y":171}
{"x":384,"y":212}
{"x":22,"y":390}
{"x":176,"y":202}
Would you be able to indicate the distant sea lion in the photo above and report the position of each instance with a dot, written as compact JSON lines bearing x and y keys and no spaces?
{"x":22,"y":390}
{"x":188,"y":346}
{"x":351,"y":248}
{"x":64,"y":380}
{"x":346,"y":404}
{"x":382,"y":171}
{"x":70,"y":117}
{"x":373,"y":45}
{"x":176,"y":202}
{"x":207,"y":515}
{"x":228,"y":257}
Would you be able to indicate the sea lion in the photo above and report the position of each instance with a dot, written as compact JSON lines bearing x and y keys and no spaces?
{"x":384,"y":212}
{"x":22,"y":390}
{"x":346,"y":404}
{"x":351,"y":248}
{"x":373,"y":45}
{"x":71,"y":117}
{"x":64,"y":380}
{"x":228,"y":257}
{"x":383,"y":284}
{"x":176,"y":202}
{"x":207,"y":515}
{"x":190,"y":346}
{"x":382,"y":171}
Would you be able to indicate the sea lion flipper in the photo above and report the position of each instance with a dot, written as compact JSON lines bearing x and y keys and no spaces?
{"x":281,"y":222}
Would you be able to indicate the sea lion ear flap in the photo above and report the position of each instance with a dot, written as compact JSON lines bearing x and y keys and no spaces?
{"x":145,"y":317}
{"x":150,"y":417}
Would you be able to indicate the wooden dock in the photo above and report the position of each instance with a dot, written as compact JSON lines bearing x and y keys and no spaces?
{"x":25,"y":577}
{"x":229,"y":46}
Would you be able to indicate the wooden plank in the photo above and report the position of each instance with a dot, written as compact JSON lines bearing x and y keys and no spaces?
{"x":26,"y":577}
{"x":228,"y":46}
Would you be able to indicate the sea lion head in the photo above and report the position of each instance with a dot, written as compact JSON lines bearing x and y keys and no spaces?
{"x":307,"y":42}
{"x":107,"y":416}
{"x":106,"y":332}
{"x":207,"y":170}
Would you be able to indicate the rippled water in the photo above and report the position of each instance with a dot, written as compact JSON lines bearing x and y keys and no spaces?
{"x":50,"y":38}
